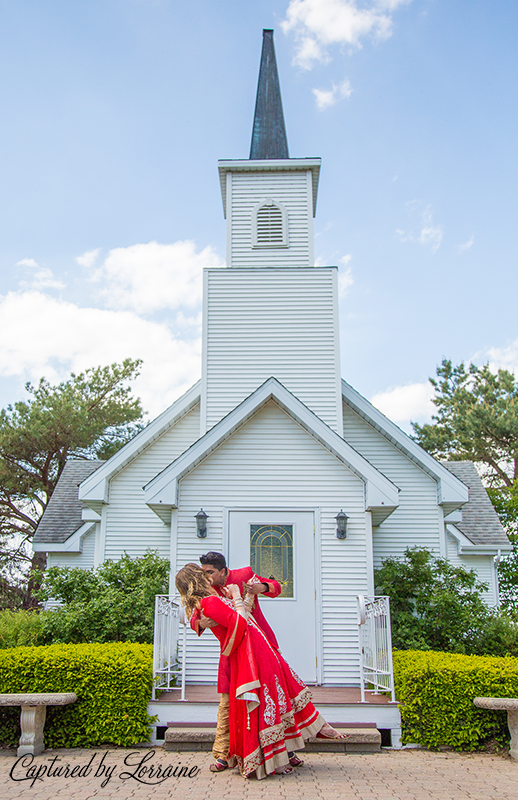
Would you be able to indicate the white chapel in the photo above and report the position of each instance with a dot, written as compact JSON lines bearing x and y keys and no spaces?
{"x":296,"y":472}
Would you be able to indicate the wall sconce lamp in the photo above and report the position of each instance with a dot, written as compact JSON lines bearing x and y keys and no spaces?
{"x":201,"y":524}
{"x":341,"y":524}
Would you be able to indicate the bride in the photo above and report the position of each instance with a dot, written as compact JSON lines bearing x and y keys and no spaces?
{"x":271,"y":711}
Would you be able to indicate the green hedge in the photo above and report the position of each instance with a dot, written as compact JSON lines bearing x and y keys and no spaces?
{"x":437,"y":691}
{"x":20,"y":628}
{"x":112,"y":681}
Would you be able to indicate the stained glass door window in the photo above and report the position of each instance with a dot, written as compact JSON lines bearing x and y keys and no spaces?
{"x":271,"y":554}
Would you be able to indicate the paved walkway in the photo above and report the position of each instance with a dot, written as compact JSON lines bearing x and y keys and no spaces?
{"x":389,"y":775}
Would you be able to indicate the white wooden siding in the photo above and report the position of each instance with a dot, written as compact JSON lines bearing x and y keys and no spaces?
{"x":417,"y":521}
{"x":482,"y":565}
{"x":83,"y":560}
{"x":290,"y":189}
{"x":273,"y":463}
{"x":131,"y":526}
{"x":262,"y":323}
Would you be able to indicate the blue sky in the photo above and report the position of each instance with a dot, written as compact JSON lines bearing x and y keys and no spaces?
{"x":115,"y":113}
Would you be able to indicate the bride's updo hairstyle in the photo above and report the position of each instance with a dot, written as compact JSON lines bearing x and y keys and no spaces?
{"x":193,"y":585}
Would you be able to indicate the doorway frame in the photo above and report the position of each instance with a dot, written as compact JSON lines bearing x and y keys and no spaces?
{"x":317,"y":570}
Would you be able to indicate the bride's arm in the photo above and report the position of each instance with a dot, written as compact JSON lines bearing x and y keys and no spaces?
{"x":242,"y":608}
{"x":235,"y":622}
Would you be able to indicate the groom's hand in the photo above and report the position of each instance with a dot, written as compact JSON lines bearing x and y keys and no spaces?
{"x":206,"y":622}
{"x":256,"y":588}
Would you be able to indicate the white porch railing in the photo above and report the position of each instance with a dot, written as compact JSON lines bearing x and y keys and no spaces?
{"x":375,"y":643}
{"x":374,"y":640}
{"x":168,"y":650}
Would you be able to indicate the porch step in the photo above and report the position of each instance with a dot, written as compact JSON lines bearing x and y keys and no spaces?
{"x":362,"y":739}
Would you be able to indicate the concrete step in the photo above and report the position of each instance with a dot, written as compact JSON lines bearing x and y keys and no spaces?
{"x":361,"y":740}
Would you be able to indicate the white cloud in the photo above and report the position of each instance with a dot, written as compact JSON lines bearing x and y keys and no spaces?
{"x":430,"y":233}
{"x":43,"y":278}
{"x":308,"y":51}
{"x":403,"y":404}
{"x":319,"y":23}
{"x":328,"y":97}
{"x":345,"y":280}
{"x":324,"y":98}
{"x":88,"y":259}
{"x":404,"y":237}
{"x":149,"y":277}
{"x":43,"y":336}
{"x":467,"y":245}
{"x":500,"y":357}
{"x":345,"y":277}
{"x":183,"y":321}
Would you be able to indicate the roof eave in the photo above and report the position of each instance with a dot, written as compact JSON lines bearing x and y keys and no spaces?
{"x":484,"y":549}
{"x":74,"y":543}
{"x":451,"y":492}
{"x":94,"y":490}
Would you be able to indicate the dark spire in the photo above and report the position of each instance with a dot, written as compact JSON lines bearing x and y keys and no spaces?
{"x":269,"y":133}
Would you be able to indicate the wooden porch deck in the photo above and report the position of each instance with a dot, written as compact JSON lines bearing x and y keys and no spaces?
{"x":322,"y":695}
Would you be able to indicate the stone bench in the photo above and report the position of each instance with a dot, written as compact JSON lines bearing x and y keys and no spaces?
{"x":509,"y":704}
{"x":32,"y":718}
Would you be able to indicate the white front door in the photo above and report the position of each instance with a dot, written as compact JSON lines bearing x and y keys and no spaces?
{"x":282,"y":545}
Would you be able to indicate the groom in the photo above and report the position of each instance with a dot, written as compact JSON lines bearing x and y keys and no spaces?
{"x":215,"y":567}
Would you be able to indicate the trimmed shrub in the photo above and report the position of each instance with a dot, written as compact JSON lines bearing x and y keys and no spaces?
{"x":437,"y":692}
{"x":113,"y":684}
{"x":20,"y":627}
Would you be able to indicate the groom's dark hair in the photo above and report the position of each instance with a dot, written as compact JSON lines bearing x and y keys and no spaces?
{"x":216,"y":560}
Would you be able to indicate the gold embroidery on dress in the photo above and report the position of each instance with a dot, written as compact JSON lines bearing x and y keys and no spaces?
{"x":294,"y":674}
{"x":281,"y":697}
{"x":271,"y":735}
{"x":269,"y":707}
{"x":288,"y":720}
{"x":301,"y":700}
{"x":250,"y":763}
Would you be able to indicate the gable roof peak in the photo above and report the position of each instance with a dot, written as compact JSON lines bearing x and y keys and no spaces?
{"x":269,"y":138}
{"x":381,"y":495}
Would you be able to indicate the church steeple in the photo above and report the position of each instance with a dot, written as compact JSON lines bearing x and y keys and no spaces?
{"x":271,"y":312}
{"x":269,"y":138}
{"x":269,"y":199}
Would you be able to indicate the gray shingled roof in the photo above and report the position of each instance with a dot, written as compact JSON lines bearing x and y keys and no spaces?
{"x":62,"y":517}
{"x":480,"y":522}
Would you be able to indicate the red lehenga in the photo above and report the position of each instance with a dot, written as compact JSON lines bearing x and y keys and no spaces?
{"x":270,"y":707}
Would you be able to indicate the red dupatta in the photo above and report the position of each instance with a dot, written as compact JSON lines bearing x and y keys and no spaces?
{"x":236,"y":643}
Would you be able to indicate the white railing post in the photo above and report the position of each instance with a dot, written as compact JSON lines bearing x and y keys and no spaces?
{"x":362,"y":618}
{"x":374,"y":639}
{"x":183,"y":621}
{"x":166,"y":670}
{"x":389,"y":650}
{"x":155,"y":649}
{"x":375,"y":645}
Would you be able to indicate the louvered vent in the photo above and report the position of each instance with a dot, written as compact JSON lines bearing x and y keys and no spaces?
{"x":270,"y":230}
